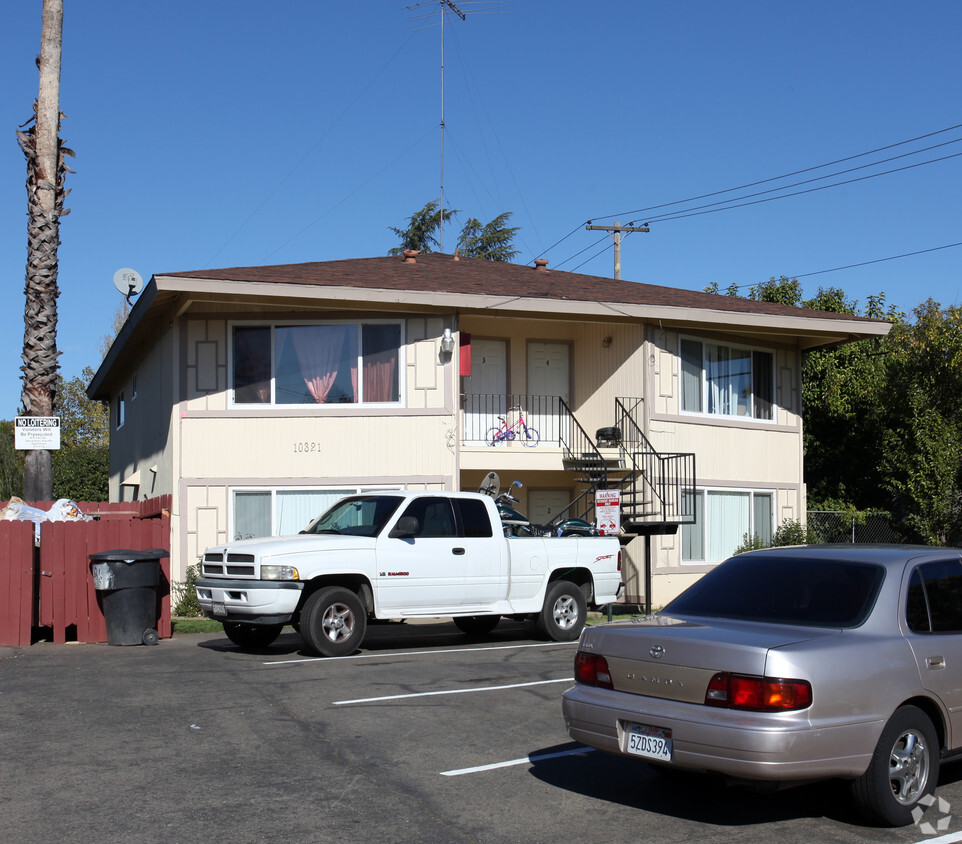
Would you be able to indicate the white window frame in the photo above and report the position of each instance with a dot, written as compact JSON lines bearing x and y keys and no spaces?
{"x":345,"y":489}
{"x":120,"y":411}
{"x":704,"y":387}
{"x":274,"y":324}
{"x":703,"y":527}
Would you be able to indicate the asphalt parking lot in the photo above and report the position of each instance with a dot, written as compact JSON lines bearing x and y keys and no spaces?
{"x":424,"y":735}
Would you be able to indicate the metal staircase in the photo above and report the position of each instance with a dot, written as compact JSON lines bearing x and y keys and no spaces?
{"x":653,"y":486}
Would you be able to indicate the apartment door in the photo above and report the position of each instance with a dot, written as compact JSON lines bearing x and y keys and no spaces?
{"x":486,"y":389}
{"x":545,"y":504}
{"x":548,"y":375}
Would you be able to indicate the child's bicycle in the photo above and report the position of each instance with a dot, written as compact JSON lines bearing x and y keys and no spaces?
{"x":520,"y":430}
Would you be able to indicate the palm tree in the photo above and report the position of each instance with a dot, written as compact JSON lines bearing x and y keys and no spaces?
{"x":41,"y":145}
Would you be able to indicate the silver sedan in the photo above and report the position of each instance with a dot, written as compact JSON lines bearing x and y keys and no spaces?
{"x":790,"y":665}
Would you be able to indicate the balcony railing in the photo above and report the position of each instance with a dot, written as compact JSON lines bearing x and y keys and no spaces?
{"x":482,"y":412}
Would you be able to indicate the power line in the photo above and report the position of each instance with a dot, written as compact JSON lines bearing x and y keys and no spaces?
{"x":878,"y":260}
{"x":681,"y":215}
{"x":641,"y":211}
{"x":859,"y":264}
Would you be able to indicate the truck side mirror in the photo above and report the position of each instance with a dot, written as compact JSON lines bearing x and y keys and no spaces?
{"x":406,"y":527}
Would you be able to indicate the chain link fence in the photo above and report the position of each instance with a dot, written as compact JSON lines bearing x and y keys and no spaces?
{"x":842,"y":526}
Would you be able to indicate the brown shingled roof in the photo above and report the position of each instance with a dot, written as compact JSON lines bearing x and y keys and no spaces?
{"x":441,"y":273}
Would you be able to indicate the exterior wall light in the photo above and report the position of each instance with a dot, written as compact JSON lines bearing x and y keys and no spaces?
{"x":447,"y":342}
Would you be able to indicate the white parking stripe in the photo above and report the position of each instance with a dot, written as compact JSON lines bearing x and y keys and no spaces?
{"x":452,"y":691}
{"x":943,"y":839}
{"x":382,"y":654}
{"x":461,"y":771}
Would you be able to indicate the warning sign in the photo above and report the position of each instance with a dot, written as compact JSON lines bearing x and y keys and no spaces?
{"x":608,"y":511}
{"x":37,"y":433}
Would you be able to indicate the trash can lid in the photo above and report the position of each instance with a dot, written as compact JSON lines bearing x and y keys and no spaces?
{"x":128,"y":555}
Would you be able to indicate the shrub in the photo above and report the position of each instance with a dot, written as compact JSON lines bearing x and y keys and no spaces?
{"x":789,"y":532}
{"x":185,"y":595}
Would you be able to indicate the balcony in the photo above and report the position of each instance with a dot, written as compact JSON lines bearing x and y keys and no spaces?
{"x":524,"y":433}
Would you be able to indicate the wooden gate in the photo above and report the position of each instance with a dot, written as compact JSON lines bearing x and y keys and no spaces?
{"x":47,"y":590}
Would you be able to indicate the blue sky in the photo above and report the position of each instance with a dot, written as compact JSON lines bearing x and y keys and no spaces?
{"x":217,"y":134}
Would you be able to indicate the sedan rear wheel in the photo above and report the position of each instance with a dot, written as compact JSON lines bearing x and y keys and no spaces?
{"x":903,"y":772}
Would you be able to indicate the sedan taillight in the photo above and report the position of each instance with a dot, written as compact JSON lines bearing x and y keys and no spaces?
{"x":758,"y":694}
{"x":592,"y":670}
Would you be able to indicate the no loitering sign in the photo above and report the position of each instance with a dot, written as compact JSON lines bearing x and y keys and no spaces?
{"x":37,"y":433}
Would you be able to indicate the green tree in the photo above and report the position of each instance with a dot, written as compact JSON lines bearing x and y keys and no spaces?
{"x":422,"y":230}
{"x":11,"y":464}
{"x":493,"y":241}
{"x":81,"y":473}
{"x":83,"y":423}
{"x":81,"y":468}
{"x":921,"y":452}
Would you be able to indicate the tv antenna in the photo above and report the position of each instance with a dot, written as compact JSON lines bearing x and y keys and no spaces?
{"x":128,"y":282}
{"x":448,"y":8}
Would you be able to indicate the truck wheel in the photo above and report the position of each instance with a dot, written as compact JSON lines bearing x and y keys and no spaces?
{"x":903,"y":772}
{"x":333,"y":621}
{"x":563,"y":615}
{"x":252,"y":635}
{"x":476,"y":625}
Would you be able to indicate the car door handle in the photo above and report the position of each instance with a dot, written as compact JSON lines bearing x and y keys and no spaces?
{"x":458,"y":551}
{"x":935,"y":662}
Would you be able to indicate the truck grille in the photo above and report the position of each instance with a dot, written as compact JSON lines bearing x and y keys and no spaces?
{"x":236,"y":565}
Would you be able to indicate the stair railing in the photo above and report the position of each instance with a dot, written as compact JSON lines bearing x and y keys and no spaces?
{"x":663,"y":477}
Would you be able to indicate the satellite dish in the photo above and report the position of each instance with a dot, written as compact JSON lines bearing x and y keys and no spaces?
{"x":128,"y":282}
{"x":491,"y":485}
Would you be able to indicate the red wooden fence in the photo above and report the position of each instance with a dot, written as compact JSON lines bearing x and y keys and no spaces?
{"x":48,"y":591}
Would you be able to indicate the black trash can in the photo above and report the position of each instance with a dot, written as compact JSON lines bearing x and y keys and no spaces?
{"x":127,"y":582}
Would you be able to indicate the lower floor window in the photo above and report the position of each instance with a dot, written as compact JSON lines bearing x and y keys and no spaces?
{"x":281,"y":512}
{"x":724,"y":518}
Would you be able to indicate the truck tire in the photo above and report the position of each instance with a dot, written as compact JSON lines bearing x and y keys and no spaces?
{"x":562,"y":617}
{"x":252,"y":635}
{"x":333,"y":621}
{"x":476,"y":625}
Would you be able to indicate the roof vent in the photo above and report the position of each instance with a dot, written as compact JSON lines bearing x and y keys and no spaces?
{"x":411,"y":256}
{"x":541,"y":264}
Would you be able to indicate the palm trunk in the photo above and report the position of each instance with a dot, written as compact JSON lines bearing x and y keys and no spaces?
{"x":45,"y":196}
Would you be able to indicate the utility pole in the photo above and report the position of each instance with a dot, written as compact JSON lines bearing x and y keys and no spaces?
{"x":616,"y":231}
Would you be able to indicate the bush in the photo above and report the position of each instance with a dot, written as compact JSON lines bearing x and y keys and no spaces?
{"x":789,"y":532}
{"x":185,"y":595}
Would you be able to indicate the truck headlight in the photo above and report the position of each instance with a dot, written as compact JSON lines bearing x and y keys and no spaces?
{"x":279,"y":573}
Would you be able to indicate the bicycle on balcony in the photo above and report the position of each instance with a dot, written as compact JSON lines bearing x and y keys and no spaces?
{"x":518,"y":430}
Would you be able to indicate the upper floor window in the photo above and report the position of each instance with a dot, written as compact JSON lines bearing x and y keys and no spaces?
{"x":120,"y":411}
{"x":319,"y":363}
{"x":727,"y":380}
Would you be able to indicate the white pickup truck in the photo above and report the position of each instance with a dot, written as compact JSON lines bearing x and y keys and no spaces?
{"x":398,"y":555}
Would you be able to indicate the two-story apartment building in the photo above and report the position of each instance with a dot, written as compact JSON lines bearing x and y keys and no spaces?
{"x":256,"y":396}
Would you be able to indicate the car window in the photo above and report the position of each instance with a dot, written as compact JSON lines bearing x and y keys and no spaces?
{"x":360,"y":516}
{"x":803,"y":591}
{"x":475,"y":521}
{"x":435,"y":517}
{"x":934,"y":602}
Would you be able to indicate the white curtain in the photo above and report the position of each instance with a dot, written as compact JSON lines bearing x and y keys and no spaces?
{"x":727,"y":520}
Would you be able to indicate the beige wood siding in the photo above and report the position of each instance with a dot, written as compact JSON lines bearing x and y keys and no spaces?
{"x":305,"y":447}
